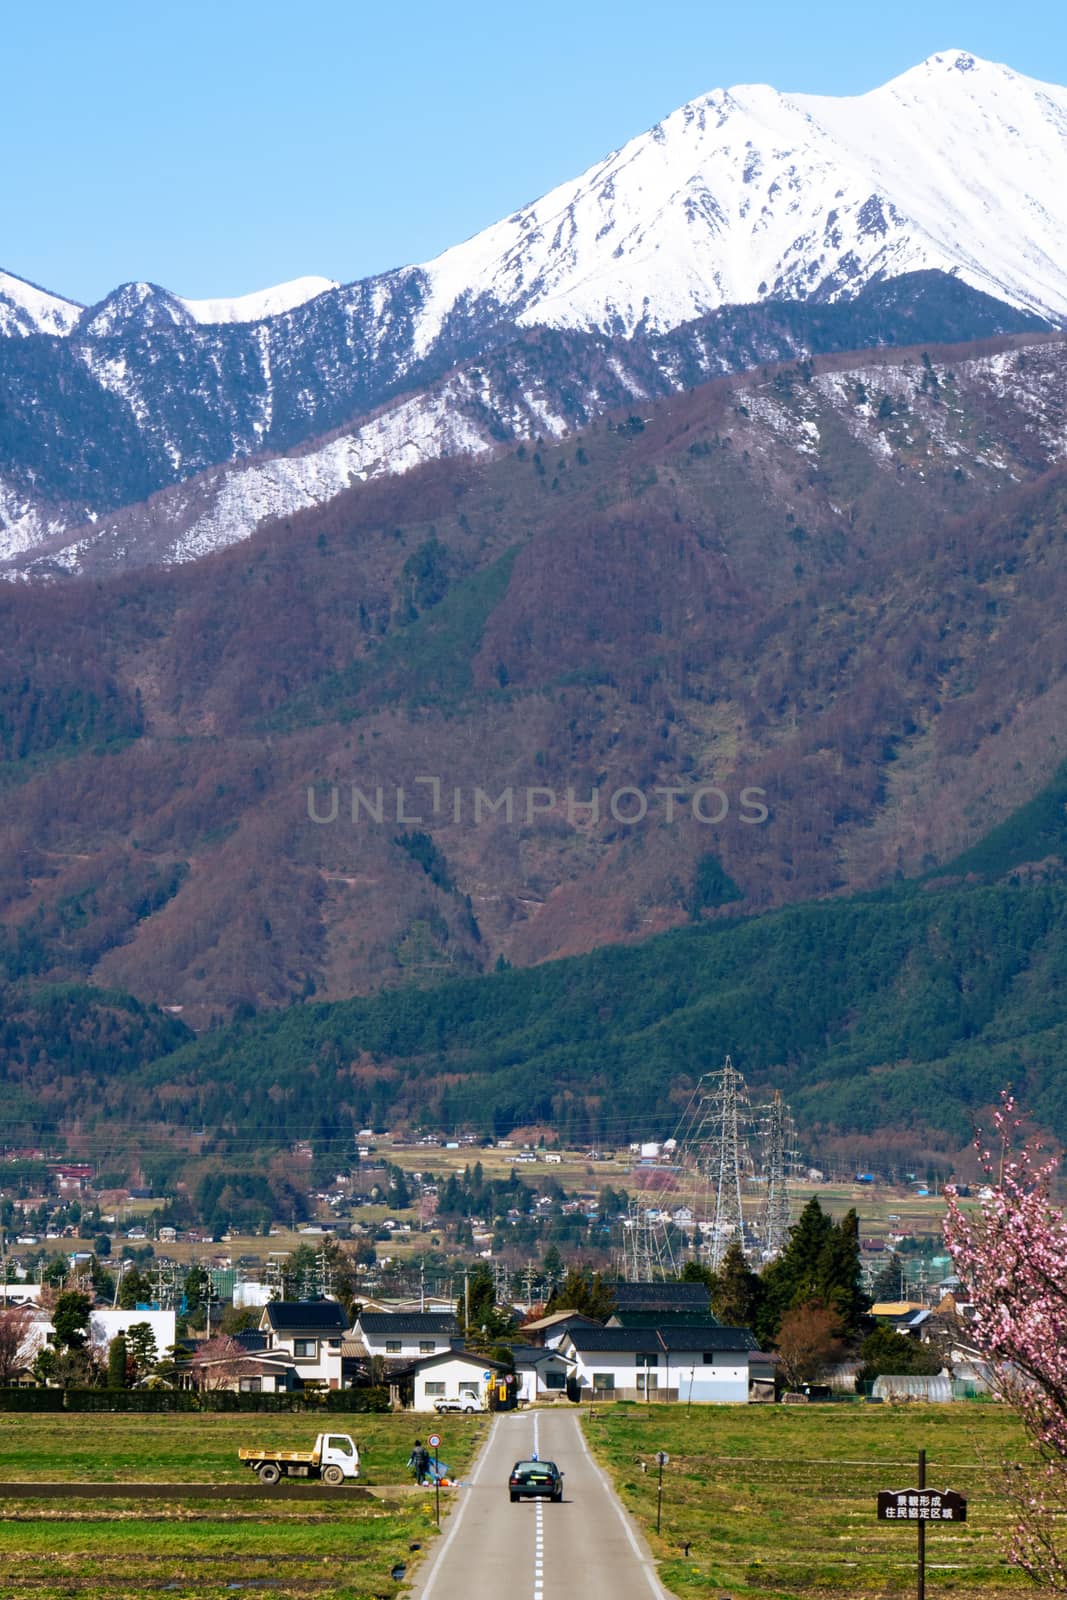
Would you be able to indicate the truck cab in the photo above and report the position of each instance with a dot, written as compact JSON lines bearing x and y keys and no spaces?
{"x":338,"y":1449}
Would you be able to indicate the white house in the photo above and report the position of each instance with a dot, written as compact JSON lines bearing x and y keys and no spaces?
{"x":246,"y":1293}
{"x":403,"y":1335}
{"x":540,"y":1374}
{"x":701,"y":1363}
{"x":453,"y":1375}
{"x":311,"y":1332}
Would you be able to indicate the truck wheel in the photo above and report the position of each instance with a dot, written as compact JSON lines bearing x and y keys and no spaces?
{"x":269,"y":1473}
{"x":469,"y":1410}
{"x":332,"y":1475}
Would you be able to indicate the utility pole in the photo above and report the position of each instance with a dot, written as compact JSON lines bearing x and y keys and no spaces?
{"x":466,"y":1298}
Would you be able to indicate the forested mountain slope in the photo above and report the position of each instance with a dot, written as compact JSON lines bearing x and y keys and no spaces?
{"x":839,"y":583}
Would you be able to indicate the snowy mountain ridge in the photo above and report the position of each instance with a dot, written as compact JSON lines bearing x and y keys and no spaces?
{"x":742,"y":195}
{"x":749,"y":194}
{"x":772,"y":210}
{"x":26,"y":309}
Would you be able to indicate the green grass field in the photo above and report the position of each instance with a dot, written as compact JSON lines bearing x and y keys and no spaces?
{"x":779,"y":1502}
{"x":189,"y":1549}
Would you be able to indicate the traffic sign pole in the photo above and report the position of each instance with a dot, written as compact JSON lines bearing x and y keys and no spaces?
{"x":921,"y":1591}
{"x":661,"y":1459}
{"x":435,"y":1441}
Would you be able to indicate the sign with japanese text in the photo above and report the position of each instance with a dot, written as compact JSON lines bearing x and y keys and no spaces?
{"x":921,"y":1505}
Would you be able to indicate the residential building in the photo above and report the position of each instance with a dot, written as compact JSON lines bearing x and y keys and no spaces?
{"x":403,"y":1335}
{"x":700,"y":1363}
{"x":540,"y":1374}
{"x":311,"y":1332}
{"x":694,"y":1299}
{"x":454,"y":1375}
{"x":903,"y":1316}
{"x":243,"y":1371}
{"x":549,"y":1331}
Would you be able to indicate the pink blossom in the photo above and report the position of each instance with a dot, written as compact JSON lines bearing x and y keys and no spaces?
{"x":1010,"y":1252}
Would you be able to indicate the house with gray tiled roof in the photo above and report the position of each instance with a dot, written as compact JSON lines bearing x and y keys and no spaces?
{"x":404,"y":1335}
{"x":699,"y":1363}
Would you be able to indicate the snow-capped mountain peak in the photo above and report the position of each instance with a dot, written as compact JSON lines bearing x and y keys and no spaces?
{"x":144,"y":305}
{"x":748,"y":193}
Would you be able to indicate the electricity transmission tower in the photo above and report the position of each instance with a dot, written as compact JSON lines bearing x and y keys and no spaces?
{"x":778,"y":1158}
{"x":724,"y":1158}
{"x":714,"y":1139}
{"x":649,"y":1254}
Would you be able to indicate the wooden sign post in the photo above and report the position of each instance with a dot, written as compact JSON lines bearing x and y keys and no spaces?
{"x":921,"y":1505}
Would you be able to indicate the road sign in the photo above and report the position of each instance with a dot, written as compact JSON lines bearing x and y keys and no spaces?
{"x":662,"y":1457}
{"x":487,"y":1376}
{"x":433,"y":1440}
{"x":921,"y":1505}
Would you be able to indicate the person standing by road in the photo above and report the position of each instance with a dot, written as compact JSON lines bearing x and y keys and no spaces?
{"x":419,"y":1461}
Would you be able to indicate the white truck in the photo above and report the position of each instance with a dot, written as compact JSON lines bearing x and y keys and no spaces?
{"x":333,"y":1458}
{"x":466,"y":1402}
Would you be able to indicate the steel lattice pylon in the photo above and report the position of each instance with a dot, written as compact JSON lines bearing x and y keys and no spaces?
{"x":778,"y":1157}
{"x":729,"y":1142}
{"x":649,"y":1254}
{"x":715,"y":1141}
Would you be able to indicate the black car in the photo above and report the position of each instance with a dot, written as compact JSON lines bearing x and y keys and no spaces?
{"x":536,"y":1477}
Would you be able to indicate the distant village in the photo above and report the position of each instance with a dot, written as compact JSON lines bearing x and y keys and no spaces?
{"x":370,"y":1287}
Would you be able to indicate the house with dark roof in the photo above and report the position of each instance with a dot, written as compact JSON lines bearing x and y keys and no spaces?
{"x":653,"y":1296}
{"x":311,"y":1333}
{"x":402,"y":1335}
{"x":701,"y":1362}
{"x":460,"y":1376}
{"x":245,"y":1372}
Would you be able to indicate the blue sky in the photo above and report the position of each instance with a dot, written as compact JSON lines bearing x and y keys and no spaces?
{"x":218,"y":148}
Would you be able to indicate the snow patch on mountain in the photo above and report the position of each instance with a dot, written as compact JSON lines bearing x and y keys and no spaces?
{"x":23,"y":525}
{"x":25,"y":309}
{"x":262,"y":303}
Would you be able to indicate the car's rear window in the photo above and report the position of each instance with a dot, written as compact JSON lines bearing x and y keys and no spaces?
{"x":534,"y":1466}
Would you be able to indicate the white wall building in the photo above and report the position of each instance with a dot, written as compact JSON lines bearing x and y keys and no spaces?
{"x":540,"y":1374}
{"x":405,"y":1335}
{"x":701,"y":1363}
{"x":453,"y":1375}
{"x":105,"y":1324}
{"x":19,"y":1294}
{"x":311,"y":1332}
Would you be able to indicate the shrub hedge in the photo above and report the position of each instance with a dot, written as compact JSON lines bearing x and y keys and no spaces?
{"x":159,"y":1400}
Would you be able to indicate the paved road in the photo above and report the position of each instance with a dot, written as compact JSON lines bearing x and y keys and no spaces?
{"x":534,"y":1550}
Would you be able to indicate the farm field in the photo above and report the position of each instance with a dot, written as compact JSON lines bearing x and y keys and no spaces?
{"x":779,"y":1502}
{"x":121,"y":1549}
